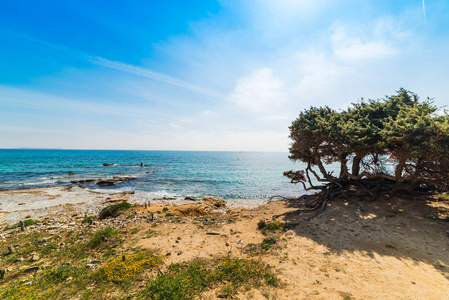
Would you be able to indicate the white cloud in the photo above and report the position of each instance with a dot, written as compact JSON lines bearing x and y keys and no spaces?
{"x":355,"y":49}
{"x":258,"y":92}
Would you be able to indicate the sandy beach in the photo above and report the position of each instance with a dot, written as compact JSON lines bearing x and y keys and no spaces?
{"x":388,"y":251}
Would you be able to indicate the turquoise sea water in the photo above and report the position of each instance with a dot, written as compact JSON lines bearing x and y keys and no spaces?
{"x":230,"y":175}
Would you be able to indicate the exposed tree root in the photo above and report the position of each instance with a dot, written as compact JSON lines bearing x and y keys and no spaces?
{"x":367,"y":190}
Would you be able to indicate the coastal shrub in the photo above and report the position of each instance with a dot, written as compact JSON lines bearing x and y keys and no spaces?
{"x":119,"y":270}
{"x":182,"y":281}
{"x":268,"y":242}
{"x":101,"y":236}
{"x":190,"y":280}
{"x":29,"y":222}
{"x":113,"y":210}
{"x":61,"y":273}
{"x":273,"y":227}
{"x":88,"y":219}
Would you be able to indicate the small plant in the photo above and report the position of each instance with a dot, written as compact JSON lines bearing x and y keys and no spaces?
{"x":273,"y":227}
{"x":29,"y":222}
{"x":109,"y":253}
{"x":152,"y":233}
{"x":268,"y":242}
{"x":165,"y":209}
{"x":101,"y":236}
{"x":134,"y":231}
{"x":88,"y":219}
{"x":113,"y":210}
{"x":430,"y":217}
{"x":61,"y":273}
{"x":261,"y":224}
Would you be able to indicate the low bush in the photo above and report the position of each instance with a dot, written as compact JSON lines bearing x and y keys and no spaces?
{"x":119,"y":270}
{"x":113,"y":210}
{"x":273,"y":227}
{"x":89,"y":219}
{"x":100,"y":237}
{"x":29,"y":222}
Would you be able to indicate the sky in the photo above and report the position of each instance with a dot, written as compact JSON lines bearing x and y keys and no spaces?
{"x":205,"y":75}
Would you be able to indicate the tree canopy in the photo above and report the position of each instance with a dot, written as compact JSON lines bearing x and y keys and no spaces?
{"x":398,"y":139}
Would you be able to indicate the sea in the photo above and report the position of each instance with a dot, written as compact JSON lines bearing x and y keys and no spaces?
{"x":228,"y":175}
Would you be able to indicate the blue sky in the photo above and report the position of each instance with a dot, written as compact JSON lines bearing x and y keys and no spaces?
{"x":205,"y":75}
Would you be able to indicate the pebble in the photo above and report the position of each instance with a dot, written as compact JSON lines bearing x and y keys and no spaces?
{"x":34,"y":268}
{"x":212,"y":232}
{"x":72,"y":224}
{"x":35,"y":257}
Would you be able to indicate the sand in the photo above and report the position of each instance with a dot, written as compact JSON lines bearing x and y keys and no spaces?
{"x":388,"y":251}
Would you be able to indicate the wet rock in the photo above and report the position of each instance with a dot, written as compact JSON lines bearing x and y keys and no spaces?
{"x":189,"y":198}
{"x":85,"y":181}
{"x":114,"y":180}
{"x":107,"y":165}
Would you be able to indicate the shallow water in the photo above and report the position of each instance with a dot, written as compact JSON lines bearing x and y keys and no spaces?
{"x":230,"y":175}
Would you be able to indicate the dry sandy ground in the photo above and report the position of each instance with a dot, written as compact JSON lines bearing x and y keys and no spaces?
{"x":388,"y":251}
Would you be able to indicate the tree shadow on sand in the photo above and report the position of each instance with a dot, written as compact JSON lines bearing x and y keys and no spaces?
{"x":404,"y":228}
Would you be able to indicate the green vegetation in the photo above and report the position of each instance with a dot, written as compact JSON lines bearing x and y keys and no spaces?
{"x":101,"y":236}
{"x":398,"y":142}
{"x":127,"y":267}
{"x":271,"y":228}
{"x":113,"y":210}
{"x":190,"y":280}
{"x":398,"y":130}
{"x":29,"y":222}
{"x":88,"y":219}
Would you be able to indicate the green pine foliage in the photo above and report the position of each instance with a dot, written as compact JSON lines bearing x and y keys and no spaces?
{"x":398,"y":138}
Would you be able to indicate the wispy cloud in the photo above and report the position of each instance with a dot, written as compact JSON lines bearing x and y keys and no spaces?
{"x":424,"y":12}
{"x":147,"y":73}
{"x":117,"y":65}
